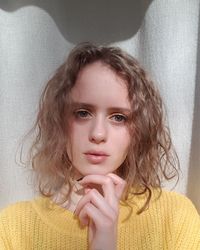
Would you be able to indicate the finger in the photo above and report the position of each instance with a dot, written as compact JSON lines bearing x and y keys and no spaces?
{"x":101,"y":221}
{"x":87,"y":190}
{"x":107,"y":185}
{"x":120,"y":184}
{"x":94,"y":197}
{"x":91,"y":231}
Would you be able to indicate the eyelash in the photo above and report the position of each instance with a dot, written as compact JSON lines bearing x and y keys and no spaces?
{"x":83,"y":114}
{"x":122,"y":118}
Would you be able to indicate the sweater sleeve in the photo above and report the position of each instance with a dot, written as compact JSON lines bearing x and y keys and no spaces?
{"x":3,"y":244}
{"x":4,"y":240}
{"x":187,"y":225}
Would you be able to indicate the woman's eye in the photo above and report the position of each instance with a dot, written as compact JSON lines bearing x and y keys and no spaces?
{"x":119,"y":118}
{"x":82,"y":114}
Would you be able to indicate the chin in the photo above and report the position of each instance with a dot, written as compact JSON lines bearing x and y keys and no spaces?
{"x":96,"y":172}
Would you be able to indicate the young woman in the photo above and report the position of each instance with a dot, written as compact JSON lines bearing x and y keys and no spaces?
{"x":101,"y":152}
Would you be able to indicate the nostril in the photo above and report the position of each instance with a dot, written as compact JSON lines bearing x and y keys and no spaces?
{"x":98,"y":130}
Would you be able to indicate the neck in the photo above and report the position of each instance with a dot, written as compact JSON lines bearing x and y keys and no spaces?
{"x":75,"y":195}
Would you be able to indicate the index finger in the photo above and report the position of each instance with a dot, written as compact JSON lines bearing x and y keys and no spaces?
{"x":120,"y":184}
{"x":107,"y":185}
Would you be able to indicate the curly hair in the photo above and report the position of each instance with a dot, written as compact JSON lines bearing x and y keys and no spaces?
{"x":151,"y":157}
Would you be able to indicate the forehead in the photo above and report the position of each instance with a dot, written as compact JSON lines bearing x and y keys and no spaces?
{"x":97,"y":83}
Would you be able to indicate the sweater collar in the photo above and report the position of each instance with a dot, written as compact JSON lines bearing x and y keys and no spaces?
{"x":57,"y":217}
{"x":66,"y":222}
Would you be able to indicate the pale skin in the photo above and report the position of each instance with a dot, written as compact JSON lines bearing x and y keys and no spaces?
{"x":100,"y":211}
{"x":99,"y":124}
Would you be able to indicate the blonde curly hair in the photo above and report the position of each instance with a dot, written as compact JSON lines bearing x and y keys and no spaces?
{"x":151,"y":157}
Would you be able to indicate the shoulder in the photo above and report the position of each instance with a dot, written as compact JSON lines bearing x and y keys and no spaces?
{"x":15,"y":219}
{"x":165,"y":200}
{"x":16,"y":213}
{"x":173,"y":201}
{"x":12,"y":217}
{"x":183,"y":218}
{"x":168,"y":205}
{"x":181,"y":213}
{"x":15,"y":207}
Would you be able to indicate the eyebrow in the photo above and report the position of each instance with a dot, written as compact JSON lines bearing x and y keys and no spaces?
{"x":93,"y":107}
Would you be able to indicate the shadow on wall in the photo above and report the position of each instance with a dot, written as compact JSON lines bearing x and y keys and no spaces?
{"x":97,"y":21}
{"x":193,"y":187}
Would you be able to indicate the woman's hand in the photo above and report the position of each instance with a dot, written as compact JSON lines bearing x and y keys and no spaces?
{"x":100,"y":210}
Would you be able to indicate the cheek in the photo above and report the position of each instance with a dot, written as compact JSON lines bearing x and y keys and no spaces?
{"x":77,"y":138}
{"x":77,"y":130}
{"x":124,"y":148}
{"x":125,"y":138}
{"x":121,"y":142}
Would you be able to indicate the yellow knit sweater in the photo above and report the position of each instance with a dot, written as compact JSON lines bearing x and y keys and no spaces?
{"x":171,"y":222}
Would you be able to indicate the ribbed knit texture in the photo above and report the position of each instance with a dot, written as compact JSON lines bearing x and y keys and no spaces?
{"x":171,"y":222}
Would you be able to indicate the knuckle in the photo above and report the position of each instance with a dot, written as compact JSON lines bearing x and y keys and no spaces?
{"x":114,"y":215}
{"x":107,"y":180}
{"x":87,"y":207}
{"x":123,"y":182}
{"x":93,"y":192}
{"x":109,"y":223}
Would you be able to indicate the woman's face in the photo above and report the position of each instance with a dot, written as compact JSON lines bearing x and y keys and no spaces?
{"x":99,"y":135}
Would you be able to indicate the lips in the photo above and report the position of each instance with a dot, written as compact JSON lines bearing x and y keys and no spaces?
{"x":96,"y":157}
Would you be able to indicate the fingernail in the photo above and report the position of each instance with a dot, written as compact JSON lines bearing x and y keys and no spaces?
{"x":80,"y":179}
{"x":87,"y":190}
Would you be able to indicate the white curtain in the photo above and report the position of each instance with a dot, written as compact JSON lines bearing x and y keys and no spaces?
{"x":35,"y":38}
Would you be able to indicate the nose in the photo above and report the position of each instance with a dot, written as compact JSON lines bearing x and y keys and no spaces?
{"x":98,"y":131}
